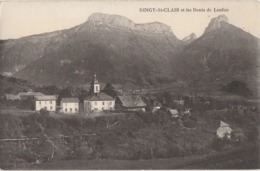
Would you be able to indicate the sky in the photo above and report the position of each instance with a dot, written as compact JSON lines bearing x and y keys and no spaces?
{"x":24,"y":18}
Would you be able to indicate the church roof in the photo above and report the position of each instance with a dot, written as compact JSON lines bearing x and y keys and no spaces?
{"x":99,"y":97}
{"x":132,"y":101}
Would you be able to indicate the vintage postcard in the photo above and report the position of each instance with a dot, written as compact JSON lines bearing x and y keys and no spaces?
{"x":127,"y":84}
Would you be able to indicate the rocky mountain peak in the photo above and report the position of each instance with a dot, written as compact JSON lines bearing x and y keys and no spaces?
{"x":114,"y":20}
{"x":216,"y":22}
{"x":155,"y":27}
{"x":189,"y":38}
{"x":123,"y":22}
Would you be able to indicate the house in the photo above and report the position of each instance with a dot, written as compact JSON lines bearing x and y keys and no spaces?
{"x":130,"y":103}
{"x":174,"y":113}
{"x":47,"y":102}
{"x":155,"y":108}
{"x":69,"y":105}
{"x":23,"y":95}
{"x":224,"y":130}
{"x":188,"y":111}
{"x":179,"y":102}
{"x":12,"y":97}
{"x":98,"y":101}
{"x":27,"y":95}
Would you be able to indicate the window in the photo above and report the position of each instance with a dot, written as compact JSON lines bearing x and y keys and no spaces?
{"x":102,"y":108}
{"x":70,"y":109}
{"x":66,"y":109}
{"x":76,"y":109}
{"x":103,"y":103}
{"x":39,"y":102}
{"x":50,"y":102}
{"x":96,"y":88}
{"x":51,"y":107}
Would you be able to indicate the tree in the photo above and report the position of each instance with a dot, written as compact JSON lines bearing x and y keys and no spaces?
{"x":110,"y":90}
{"x":65,"y":93}
{"x":44,"y":112}
{"x":165,"y":99}
{"x":28,"y":103}
{"x":238,"y":87}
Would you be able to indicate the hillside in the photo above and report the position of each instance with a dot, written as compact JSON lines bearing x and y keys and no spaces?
{"x":114,"y":47}
{"x":121,"y":51}
{"x":223,"y":53}
{"x":49,"y":140}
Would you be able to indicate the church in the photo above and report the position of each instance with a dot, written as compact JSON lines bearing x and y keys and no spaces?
{"x":98,"y":101}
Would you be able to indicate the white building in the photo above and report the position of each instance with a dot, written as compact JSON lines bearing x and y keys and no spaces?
{"x":45,"y":102}
{"x":69,"y":105}
{"x":224,"y":130}
{"x":98,"y":101}
{"x":174,"y":113}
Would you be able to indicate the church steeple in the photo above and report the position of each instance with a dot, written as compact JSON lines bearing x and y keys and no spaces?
{"x":95,"y":85}
{"x":95,"y":79}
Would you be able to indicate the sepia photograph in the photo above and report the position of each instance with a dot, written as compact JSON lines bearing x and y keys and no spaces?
{"x":129,"y":85}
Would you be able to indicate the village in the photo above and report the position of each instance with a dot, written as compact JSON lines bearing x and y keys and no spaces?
{"x":104,"y":119}
{"x":114,"y":101}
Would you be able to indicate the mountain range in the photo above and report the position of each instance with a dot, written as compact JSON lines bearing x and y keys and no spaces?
{"x":121,"y":51}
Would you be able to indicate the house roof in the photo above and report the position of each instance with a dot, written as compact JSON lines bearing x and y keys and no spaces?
{"x":99,"y":97}
{"x":69,"y":100}
{"x":46,"y":97}
{"x":132,"y":101}
{"x":223,"y":124}
{"x":12,"y":96}
{"x":31,"y":94}
{"x":174,"y":112}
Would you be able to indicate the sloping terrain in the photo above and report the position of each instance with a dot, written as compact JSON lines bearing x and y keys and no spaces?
{"x":36,"y":138}
{"x":114,"y":47}
{"x":121,"y":51}
{"x":223,"y":53}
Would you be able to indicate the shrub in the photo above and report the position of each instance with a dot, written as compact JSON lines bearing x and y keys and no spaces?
{"x":44,"y":112}
{"x":238,"y":87}
{"x":219,"y":143}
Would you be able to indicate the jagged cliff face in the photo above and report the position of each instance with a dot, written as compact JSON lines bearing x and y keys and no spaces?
{"x":216,"y":23}
{"x":123,"y":22}
{"x":113,"y":20}
{"x":189,"y":38}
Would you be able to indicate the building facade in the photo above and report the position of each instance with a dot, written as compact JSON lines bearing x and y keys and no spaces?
{"x":45,"y":102}
{"x":224,"y":130}
{"x":98,"y":101}
{"x":69,"y":105}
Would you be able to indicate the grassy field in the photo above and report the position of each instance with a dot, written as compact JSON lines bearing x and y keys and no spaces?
{"x":131,"y":141}
{"x":242,"y":158}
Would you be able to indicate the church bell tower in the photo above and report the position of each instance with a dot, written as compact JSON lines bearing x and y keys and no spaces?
{"x":95,"y":85}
